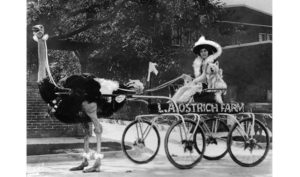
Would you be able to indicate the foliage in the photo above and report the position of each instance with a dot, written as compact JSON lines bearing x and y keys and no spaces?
{"x":117,"y":38}
{"x":63,"y":64}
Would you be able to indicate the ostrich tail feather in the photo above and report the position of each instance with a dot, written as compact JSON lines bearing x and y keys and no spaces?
{"x":108,"y":108}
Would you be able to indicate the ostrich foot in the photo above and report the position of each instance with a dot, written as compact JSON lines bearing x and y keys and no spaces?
{"x":85,"y":163}
{"x":95,"y":167}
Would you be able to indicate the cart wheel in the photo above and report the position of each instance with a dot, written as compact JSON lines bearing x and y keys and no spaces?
{"x":248,"y":147}
{"x":182,"y":149}
{"x":216,"y":139}
{"x":140,"y":141}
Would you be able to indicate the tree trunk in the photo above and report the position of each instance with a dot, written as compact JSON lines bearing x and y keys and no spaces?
{"x":83,"y":59}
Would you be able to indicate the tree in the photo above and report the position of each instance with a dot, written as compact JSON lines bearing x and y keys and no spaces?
{"x":117,"y":38}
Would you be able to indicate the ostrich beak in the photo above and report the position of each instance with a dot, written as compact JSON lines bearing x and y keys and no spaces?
{"x":37,"y":28}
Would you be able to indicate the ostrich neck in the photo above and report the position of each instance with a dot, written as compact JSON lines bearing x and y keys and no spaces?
{"x":42,"y":55}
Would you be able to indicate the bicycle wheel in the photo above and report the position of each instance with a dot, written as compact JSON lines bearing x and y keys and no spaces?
{"x":140,"y":141}
{"x":181,"y":148}
{"x":216,"y":133}
{"x":247,"y":147}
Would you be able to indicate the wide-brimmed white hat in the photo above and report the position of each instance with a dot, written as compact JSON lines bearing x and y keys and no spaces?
{"x":211,"y":46}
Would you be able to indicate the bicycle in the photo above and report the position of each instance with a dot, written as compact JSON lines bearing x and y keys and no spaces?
{"x":245,"y":146}
{"x":216,"y":133}
{"x":180,"y":141}
{"x":185,"y":136}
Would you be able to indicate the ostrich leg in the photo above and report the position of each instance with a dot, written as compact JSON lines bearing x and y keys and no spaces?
{"x":85,"y":156}
{"x":91,"y":110}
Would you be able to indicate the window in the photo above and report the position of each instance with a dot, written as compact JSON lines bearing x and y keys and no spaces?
{"x":269,"y":37}
{"x":269,"y":95}
{"x":264,"y":37}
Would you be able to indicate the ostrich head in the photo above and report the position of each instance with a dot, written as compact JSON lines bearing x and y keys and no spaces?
{"x":38,"y":31}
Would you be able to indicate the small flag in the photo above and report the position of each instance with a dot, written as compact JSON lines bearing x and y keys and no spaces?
{"x":152,"y":68}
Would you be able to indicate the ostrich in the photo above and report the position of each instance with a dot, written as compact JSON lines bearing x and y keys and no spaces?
{"x":80,"y":99}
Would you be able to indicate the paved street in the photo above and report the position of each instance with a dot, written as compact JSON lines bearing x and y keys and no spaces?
{"x":116,"y":164}
{"x":160,"y":166}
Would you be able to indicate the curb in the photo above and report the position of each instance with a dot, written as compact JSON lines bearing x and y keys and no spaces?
{"x":68,"y":157}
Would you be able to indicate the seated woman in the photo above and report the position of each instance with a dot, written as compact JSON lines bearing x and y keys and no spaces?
{"x":207,"y":52}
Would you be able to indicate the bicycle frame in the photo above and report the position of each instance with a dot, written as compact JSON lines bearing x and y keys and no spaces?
{"x":250,"y":131}
{"x":156,"y":118}
{"x":197,"y":117}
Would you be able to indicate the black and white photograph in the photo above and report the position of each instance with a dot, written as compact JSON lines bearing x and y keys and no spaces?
{"x":149,"y":88}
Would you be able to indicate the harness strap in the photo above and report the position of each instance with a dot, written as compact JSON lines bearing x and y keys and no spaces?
{"x":164,"y":84}
{"x":126,"y":90}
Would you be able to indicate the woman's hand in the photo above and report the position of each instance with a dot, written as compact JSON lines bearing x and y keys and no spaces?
{"x":201,"y":78}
